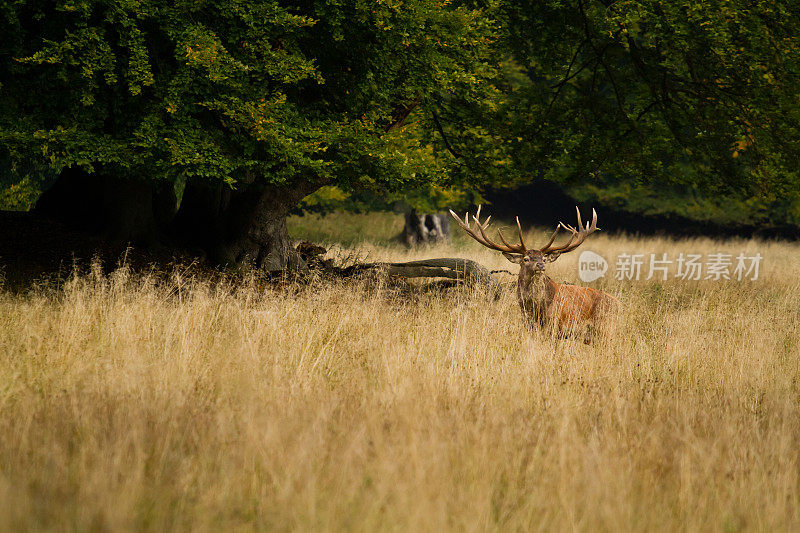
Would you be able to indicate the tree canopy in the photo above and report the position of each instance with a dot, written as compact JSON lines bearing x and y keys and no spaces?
{"x":219,"y":90}
{"x":607,"y":97}
{"x":615,"y":95}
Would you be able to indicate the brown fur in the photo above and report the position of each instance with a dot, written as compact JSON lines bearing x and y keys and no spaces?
{"x":568,"y":310}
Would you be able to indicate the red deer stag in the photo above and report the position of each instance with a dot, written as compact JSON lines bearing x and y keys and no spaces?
{"x":567,"y":309}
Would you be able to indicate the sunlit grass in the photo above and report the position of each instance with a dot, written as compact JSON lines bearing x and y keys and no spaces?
{"x":133,"y":402}
{"x":348,"y":228}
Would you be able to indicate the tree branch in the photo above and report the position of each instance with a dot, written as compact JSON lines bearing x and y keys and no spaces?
{"x":400,"y":115}
{"x":599,"y":54}
{"x":572,"y":62}
{"x":558,"y":86}
{"x":444,"y":137}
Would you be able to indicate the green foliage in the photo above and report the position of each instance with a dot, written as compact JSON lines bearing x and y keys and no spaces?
{"x":19,"y":195}
{"x":235,"y":90}
{"x":700,"y":94}
{"x":20,"y":184}
{"x":428,"y":198}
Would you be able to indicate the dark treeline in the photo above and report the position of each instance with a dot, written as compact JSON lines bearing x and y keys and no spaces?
{"x":543,"y":203}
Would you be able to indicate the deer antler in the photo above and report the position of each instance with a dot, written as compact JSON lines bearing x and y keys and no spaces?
{"x":481,"y":237}
{"x":579,"y":234}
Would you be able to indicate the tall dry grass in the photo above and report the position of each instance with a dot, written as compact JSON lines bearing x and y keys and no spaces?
{"x":130,"y":402}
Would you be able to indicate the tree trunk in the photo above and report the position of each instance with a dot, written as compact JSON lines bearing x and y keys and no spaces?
{"x":243,"y":226}
{"x":425,"y":228}
{"x":228,"y":227}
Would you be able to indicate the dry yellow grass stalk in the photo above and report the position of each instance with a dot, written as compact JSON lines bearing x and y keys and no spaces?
{"x":125,"y":404}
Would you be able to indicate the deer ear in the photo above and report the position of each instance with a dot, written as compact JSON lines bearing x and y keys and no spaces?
{"x":552,"y":257}
{"x":514,"y":258}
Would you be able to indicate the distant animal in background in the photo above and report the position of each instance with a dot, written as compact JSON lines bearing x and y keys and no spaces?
{"x":425,"y":228}
{"x":568,"y":310}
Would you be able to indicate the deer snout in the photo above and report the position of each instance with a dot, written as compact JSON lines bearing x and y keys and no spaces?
{"x":537,"y":265}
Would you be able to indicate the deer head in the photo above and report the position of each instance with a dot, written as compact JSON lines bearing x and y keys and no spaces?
{"x":569,"y":309}
{"x":531,"y":260}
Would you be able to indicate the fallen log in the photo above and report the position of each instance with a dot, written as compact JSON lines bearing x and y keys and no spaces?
{"x":447,"y":267}
{"x":458,"y":269}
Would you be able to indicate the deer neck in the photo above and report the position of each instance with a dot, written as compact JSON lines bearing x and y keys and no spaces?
{"x":535,"y":291}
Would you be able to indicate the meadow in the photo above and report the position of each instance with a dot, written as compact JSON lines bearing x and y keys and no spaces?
{"x":171,"y":401}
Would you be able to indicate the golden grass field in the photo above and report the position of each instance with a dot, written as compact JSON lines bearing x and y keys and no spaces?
{"x":130,"y":402}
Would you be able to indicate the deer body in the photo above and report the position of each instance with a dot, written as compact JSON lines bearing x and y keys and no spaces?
{"x":565,"y":309}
